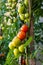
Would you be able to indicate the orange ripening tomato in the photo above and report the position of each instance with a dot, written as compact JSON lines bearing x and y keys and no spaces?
{"x":21,"y":35}
{"x":24,"y":28}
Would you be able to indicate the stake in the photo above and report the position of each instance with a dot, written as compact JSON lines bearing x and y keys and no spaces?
{"x":32,"y":61}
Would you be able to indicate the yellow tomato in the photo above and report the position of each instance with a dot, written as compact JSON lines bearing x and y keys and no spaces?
{"x":10,"y":45}
{"x":21,"y":48}
{"x":1,"y":37}
{"x":16,"y":42}
{"x":16,"y":52}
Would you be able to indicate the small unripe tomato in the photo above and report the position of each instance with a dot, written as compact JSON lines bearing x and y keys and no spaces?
{"x":22,"y":16}
{"x":3,"y":27}
{"x":26,"y":2}
{"x":26,"y":15}
{"x":27,"y":20}
{"x":24,"y":28}
{"x":16,"y":51}
{"x":21,"y":8}
{"x":10,"y":45}
{"x":21,"y":35}
{"x":16,"y":42}
{"x":21,"y":48}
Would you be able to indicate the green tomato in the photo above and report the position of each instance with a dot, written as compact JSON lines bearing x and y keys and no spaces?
{"x":21,"y":48}
{"x":22,"y":16}
{"x":26,"y":15}
{"x":21,"y":8}
{"x":15,"y":19}
{"x":3,"y":28}
{"x":26,"y":2}
{"x":27,"y":20}
{"x":16,"y":52}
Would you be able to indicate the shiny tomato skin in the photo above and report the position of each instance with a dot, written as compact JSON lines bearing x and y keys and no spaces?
{"x":23,"y":61}
{"x":21,"y":48}
{"x":24,"y":28}
{"x":21,"y":35}
{"x":16,"y":51}
{"x":16,"y":41}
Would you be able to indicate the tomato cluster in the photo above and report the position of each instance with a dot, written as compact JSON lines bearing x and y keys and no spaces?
{"x":15,"y":44}
{"x":22,"y":34}
{"x":23,"y":11}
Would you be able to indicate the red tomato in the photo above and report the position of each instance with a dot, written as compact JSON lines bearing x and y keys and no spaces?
{"x":24,"y":28}
{"x":23,"y":61}
{"x":21,"y":35}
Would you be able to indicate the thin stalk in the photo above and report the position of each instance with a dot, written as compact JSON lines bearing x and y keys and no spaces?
{"x":29,"y":2}
{"x":27,"y":57}
{"x":30,"y":8}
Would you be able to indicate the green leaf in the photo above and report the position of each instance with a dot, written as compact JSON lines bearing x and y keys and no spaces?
{"x":16,"y":57}
{"x":28,"y":42}
{"x":35,"y":53}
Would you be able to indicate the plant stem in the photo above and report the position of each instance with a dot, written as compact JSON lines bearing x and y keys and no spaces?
{"x":27,"y":56}
{"x":32,"y":61}
{"x":29,"y":2}
{"x":30,"y":8}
